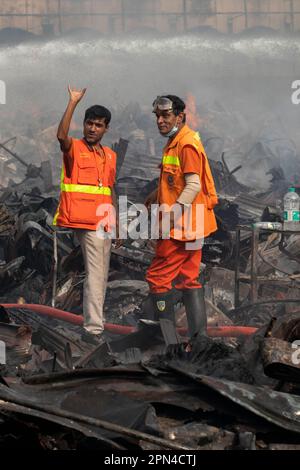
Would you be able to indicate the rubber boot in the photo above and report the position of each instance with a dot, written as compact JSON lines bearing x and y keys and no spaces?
{"x":194,"y":303}
{"x":147,"y":310}
{"x":163,"y":305}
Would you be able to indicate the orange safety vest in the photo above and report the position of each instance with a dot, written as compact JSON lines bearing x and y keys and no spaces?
{"x":172,"y":183}
{"x":85,"y":187}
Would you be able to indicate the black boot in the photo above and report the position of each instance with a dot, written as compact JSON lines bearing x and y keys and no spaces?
{"x":163,"y":305}
{"x":194,"y":303}
{"x":147,"y":310}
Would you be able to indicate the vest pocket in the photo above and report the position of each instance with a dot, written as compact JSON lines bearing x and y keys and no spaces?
{"x":171,"y":177}
{"x":83,"y":208}
{"x":87,"y":172}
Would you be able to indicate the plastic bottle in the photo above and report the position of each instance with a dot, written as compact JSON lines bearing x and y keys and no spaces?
{"x":291,"y":203}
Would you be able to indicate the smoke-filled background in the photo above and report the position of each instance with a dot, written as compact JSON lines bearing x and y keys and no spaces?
{"x":239,"y":89}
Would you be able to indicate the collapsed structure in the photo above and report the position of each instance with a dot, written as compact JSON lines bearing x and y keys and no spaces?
{"x":236,"y":389}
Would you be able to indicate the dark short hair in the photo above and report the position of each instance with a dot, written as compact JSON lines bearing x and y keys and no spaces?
{"x":178,"y":104}
{"x":98,"y":112}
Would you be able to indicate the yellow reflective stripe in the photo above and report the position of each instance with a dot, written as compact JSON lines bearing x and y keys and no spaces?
{"x":55,"y":217}
{"x":170,"y":160}
{"x":84,"y":188}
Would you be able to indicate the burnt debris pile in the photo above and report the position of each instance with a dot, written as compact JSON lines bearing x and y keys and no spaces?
{"x":238,"y":388}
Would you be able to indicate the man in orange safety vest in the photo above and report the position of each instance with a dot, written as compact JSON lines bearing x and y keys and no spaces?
{"x":185,"y":183}
{"x":86,"y":195}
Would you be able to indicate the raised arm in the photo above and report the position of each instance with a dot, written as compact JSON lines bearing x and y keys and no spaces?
{"x":64,"y":125}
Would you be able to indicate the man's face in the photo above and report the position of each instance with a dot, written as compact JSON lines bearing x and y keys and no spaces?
{"x":94,"y":129}
{"x":166,"y":120}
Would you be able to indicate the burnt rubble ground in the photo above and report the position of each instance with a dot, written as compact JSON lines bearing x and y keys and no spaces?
{"x":131,"y":392}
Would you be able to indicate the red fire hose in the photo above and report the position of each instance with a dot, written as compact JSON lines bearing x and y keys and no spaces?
{"x":213,"y":331}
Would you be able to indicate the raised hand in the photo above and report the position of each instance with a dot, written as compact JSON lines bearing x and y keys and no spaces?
{"x":76,"y":95}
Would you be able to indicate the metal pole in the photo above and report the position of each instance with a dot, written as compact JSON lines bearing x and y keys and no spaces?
{"x":14,"y":155}
{"x":54,"y":279}
{"x":254,"y":250}
{"x":237,"y":269}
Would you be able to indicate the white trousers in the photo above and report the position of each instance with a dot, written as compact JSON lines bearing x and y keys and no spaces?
{"x":96,"y":255}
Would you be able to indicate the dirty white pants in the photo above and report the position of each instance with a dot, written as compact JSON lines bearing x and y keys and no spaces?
{"x":96,"y":255}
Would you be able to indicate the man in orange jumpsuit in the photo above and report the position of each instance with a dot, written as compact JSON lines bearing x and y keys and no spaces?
{"x":185,"y":181}
{"x":86,"y":196}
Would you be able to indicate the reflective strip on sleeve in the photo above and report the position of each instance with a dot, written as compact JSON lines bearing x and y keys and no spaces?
{"x":170,"y":160}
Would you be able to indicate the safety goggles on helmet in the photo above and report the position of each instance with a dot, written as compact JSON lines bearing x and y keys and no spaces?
{"x":162,"y":103}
